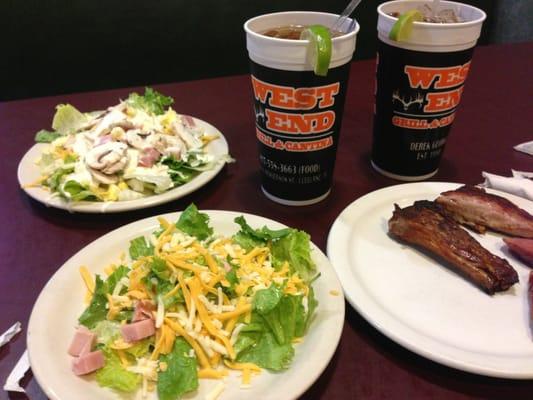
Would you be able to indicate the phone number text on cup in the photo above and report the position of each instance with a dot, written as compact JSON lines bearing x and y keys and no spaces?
{"x":291,"y":169}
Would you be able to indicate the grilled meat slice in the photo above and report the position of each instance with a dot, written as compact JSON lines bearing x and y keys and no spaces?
{"x":424,"y":224}
{"x":530,"y":294}
{"x":522,"y":248}
{"x":479,"y":210}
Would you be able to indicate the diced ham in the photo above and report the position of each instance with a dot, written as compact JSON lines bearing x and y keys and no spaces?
{"x":82,"y":342}
{"x":138,"y":330}
{"x":522,"y":248}
{"x":104,"y":139}
{"x":143,"y":310}
{"x":188,"y":121}
{"x":148,"y":157}
{"x":88,"y":363}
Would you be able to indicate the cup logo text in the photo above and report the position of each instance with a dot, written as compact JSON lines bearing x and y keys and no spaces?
{"x":429,"y":96}
{"x":301,"y":112}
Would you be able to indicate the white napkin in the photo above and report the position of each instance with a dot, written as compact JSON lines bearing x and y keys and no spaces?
{"x":526,"y":147}
{"x":12,"y":381}
{"x":519,"y":184}
{"x":8,"y":335}
{"x":23,"y":364}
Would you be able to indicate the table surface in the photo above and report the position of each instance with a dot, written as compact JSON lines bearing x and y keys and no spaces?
{"x":494,"y":115}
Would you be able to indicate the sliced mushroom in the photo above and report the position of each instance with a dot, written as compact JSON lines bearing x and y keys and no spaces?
{"x":138,"y":139}
{"x":103,"y":178}
{"x":168,"y":145}
{"x":108,"y":158}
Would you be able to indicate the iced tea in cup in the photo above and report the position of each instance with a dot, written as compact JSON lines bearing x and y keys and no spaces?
{"x":419,"y":83}
{"x":298,"y":113}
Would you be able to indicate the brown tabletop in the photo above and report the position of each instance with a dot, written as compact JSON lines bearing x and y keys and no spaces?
{"x":495,"y":115}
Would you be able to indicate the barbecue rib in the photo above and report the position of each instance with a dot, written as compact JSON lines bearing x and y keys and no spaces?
{"x":522,"y":248}
{"x":424,"y":224}
{"x":479,"y":210}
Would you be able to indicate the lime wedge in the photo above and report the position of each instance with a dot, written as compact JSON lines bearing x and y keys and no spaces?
{"x":402,"y":29}
{"x":319,"y":50}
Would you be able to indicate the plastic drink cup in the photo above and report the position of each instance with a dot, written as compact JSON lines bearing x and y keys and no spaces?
{"x":419,"y":83}
{"x":298,"y":114}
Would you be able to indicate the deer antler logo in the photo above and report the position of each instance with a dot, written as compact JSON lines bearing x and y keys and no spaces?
{"x":419,"y":99}
{"x":259,"y":113}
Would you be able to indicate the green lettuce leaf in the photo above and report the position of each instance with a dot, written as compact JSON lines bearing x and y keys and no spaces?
{"x":107,"y":331}
{"x":158,"y":280}
{"x":140,"y":247}
{"x":266,"y":300}
{"x":294,"y":248}
{"x":181,"y":375}
{"x":194,"y":223}
{"x":152,"y":101}
{"x":261,"y":348}
{"x":74,"y":191}
{"x":44,"y":136}
{"x":114,"y":375}
{"x":249,"y":238}
{"x":140,"y":348}
{"x":179,"y":171}
{"x":68,"y":119}
{"x":312,"y":304}
{"x":54,"y":181}
{"x":96,"y":311}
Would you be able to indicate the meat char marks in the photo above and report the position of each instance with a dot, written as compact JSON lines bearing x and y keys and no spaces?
{"x":424,"y":224}
{"x":477,"y":209}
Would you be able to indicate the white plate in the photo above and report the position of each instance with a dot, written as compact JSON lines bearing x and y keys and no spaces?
{"x":28,"y":172}
{"x":421,"y":304}
{"x":54,"y":318}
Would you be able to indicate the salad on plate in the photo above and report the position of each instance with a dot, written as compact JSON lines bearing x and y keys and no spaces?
{"x":188,"y":304}
{"x":137,"y":148}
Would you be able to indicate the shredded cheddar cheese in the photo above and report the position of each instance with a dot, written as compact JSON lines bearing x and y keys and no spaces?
{"x":201,"y":302}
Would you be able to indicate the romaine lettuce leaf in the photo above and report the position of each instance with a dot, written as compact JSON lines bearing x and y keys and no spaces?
{"x":152,"y":101}
{"x":194,"y":223}
{"x":181,"y":375}
{"x":44,"y":136}
{"x":68,"y":119}
{"x":54,"y":181}
{"x":248,"y":237}
{"x":140,"y":348}
{"x":179,"y":170}
{"x":107,"y":331}
{"x":96,"y":311}
{"x":294,"y":248}
{"x":261,"y":348}
{"x":114,"y":375}
{"x":74,"y":191}
{"x":140,"y":247}
{"x":158,"y":280}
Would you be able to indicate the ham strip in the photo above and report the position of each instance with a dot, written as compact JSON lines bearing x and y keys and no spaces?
{"x":522,"y":248}
{"x":479,"y":210}
{"x":188,"y":121}
{"x":87,"y":363}
{"x":82,"y":342}
{"x":424,"y":225}
{"x":143,"y":310}
{"x":149,"y":157}
{"x":138,"y":330}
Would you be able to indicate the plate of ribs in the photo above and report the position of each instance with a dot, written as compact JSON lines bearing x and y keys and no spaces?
{"x":443,"y":269}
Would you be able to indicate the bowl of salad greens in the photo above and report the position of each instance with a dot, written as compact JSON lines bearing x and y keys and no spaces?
{"x":137,"y":153}
{"x":211,"y":304}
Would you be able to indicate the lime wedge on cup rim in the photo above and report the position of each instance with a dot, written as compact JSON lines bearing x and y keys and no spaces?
{"x":401,"y":30}
{"x":319,"y":50}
